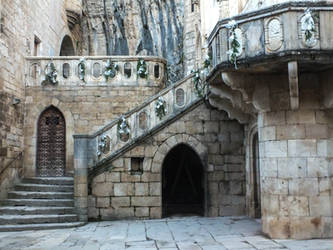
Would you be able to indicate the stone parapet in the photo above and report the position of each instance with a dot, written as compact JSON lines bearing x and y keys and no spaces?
{"x":68,"y":71}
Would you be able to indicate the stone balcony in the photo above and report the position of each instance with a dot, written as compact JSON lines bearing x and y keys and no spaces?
{"x":272,"y":44}
{"x":67,"y":71}
{"x":272,"y":36}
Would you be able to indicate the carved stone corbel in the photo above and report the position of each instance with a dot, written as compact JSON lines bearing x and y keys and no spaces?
{"x":233,"y":113}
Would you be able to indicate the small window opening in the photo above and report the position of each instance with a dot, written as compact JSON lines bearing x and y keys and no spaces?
{"x":157,"y":71}
{"x":136,"y":165}
{"x":128,"y":70}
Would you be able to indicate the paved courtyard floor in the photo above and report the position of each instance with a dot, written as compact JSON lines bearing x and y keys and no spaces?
{"x":185,"y":233}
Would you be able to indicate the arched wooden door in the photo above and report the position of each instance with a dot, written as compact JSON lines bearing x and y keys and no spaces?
{"x":51,"y":143}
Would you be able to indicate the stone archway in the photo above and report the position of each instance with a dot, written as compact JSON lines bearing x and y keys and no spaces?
{"x":198,"y":149}
{"x":67,"y":48}
{"x":182,"y":182}
{"x":51,"y":143}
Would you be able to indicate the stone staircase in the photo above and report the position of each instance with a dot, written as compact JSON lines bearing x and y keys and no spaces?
{"x":39,"y":203}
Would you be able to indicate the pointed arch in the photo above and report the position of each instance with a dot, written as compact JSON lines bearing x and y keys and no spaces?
{"x":51,"y":143}
{"x":67,"y":47}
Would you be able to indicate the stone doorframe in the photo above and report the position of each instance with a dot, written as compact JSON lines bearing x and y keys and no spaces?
{"x":199,"y":148}
{"x":250,"y":203}
{"x":30,"y":142}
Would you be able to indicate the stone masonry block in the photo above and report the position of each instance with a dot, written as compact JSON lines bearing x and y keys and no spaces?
{"x":120,"y":202}
{"x":142,"y":212}
{"x":275,"y":149}
{"x":145,"y":201}
{"x":103,"y":202}
{"x":155,"y":188}
{"x":302,"y":148}
{"x":103,"y":189}
{"x":123,"y":189}
{"x":287,"y":132}
{"x":141,"y":189}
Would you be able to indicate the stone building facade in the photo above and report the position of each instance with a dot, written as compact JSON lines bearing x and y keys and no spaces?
{"x":142,"y":135}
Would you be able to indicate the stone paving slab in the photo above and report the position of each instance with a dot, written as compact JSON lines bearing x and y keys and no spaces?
{"x":185,"y":233}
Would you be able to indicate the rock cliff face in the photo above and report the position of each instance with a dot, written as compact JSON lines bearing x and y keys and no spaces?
{"x":136,"y":27}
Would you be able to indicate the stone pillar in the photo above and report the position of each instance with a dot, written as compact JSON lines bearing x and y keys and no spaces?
{"x":81,"y":176}
{"x":296,"y":164}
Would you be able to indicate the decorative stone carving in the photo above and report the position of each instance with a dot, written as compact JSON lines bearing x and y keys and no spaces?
{"x":180,"y":97}
{"x":96,"y":70}
{"x":274,"y":34}
{"x":143,"y":120}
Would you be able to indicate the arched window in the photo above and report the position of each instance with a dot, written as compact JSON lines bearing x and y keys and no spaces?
{"x":67,"y":48}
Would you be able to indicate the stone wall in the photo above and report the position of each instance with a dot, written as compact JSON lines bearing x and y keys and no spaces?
{"x":85,"y":108}
{"x":215,"y":138}
{"x":21,"y":24}
{"x":296,"y":162}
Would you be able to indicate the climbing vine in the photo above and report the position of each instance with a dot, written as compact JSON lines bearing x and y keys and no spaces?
{"x":142,"y":69}
{"x":123,"y":129}
{"x":234,"y":42}
{"x":308,"y":25}
{"x":160,"y":108}
{"x":51,"y":74}
{"x":111,"y":69}
{"x":82,"y":69}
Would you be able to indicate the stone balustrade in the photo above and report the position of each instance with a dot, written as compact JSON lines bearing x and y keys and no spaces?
{"x":271,"y":34}
{"x":123,"y":133}
{"x":67,"y":71}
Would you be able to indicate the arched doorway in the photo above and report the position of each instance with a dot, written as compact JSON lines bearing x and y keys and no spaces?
{"x":67,"y":48}
{"x":256,"y":176}
{"x":182,"y":182}
{"x":51,"y":143}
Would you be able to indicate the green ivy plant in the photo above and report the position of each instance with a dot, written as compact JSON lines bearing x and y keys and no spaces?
{"x":200,"y":87}
{"x":141,"y":69}
{"x":160,"y":108}
{"x":123,"y":129}
{"x":50,"y":74}
{"x":110,"y":70}
{"x":82,"y":69}
{"x":234,"y":43}
{"x":308,"y":25}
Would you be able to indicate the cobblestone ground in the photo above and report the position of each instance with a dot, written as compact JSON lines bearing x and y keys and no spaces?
{"x":186,"y":233}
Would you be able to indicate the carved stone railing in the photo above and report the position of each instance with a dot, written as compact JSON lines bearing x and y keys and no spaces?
{"x":272,"y":35}
{"x":69,"y":71}
{"x":133,"y":127}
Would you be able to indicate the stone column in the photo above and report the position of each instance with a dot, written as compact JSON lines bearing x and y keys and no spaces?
{"x":296,"y":150}
{"x":81,"y":176}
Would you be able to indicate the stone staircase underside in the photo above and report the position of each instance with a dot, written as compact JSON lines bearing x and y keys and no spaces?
{"x":39,"y":203}
{"x":179,"y":99}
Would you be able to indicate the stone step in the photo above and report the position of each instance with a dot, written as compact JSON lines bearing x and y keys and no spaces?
{"x":46,"y":226}
{"x":39,"y":195}
{"x":44,"y":188}
{"x":38,"y":202}
{"x":22,"y":210}
{"x":31,"y":219}
{"x":50,"y":180}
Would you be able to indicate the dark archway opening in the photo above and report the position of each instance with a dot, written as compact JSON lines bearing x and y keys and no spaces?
{"x":182,"y":182}
{"x":67,"y":48}
{"x":256,"y":176}
{"x":51,"y":143}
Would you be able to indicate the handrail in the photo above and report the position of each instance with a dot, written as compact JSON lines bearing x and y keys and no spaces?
{"x":18,"y":156}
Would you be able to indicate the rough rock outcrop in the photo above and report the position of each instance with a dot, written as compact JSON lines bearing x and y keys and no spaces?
{"x":136,"y":27}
